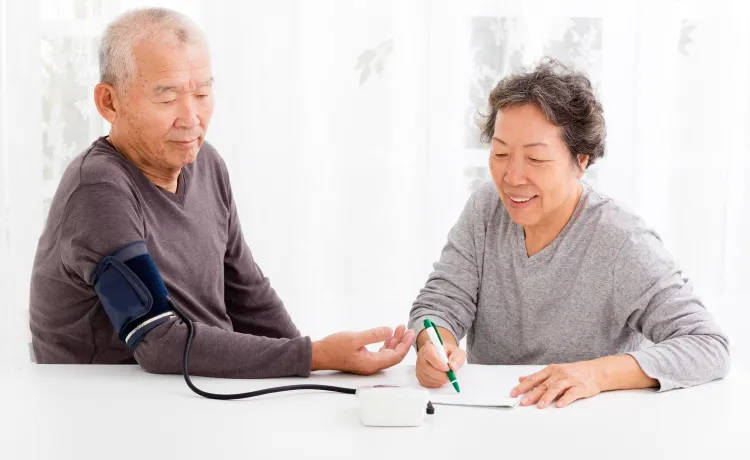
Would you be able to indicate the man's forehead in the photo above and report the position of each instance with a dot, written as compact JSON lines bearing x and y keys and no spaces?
{"x":159,"y":62}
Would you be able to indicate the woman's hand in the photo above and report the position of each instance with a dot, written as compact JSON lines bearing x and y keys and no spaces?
{"x":569,"y":382}
{"x":562,"y":382}
{"x":431,"y":371}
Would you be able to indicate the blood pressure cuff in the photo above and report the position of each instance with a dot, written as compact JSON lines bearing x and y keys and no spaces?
{"x":132,"y":292}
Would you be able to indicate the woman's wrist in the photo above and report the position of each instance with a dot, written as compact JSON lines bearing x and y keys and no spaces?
{"x":621,"y":372}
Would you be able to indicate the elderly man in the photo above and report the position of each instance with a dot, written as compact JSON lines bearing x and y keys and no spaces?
{"x":144,"y":223}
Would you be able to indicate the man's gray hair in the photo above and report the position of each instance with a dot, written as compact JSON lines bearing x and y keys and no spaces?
{"x":116,"y":58}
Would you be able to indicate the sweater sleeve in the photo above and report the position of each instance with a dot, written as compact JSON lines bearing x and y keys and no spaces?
{"x":101,"y":218}
{"x":653,"y":298}
{"x":251,"y":303}
{"x":449,"y":298}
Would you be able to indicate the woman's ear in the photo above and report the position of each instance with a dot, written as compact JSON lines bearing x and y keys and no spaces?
{"x":104,"y":98}
{"x":583,"y":162}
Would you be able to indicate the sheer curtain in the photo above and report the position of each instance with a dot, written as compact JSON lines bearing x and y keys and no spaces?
{"x":348,"y":129}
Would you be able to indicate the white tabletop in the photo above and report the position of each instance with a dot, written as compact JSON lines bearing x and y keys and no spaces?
{"x":113,"y":412}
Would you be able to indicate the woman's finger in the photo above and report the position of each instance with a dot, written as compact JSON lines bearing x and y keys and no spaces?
{"x":456,"y":358}
{"x":530,"y":382}
{"x":571,"y":395}
{"x":554,"y":391}
{"x":535,"y":394}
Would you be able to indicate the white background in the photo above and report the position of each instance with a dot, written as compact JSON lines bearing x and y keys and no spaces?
{"x":346,"y":129}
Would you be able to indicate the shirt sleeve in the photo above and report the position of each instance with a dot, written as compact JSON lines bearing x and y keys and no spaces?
{"x":653,"y":298}
{"x":450,"y":296}
{"x":101,"y":218}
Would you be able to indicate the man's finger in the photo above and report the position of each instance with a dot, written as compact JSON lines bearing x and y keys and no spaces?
{"x":386,"y":358}
{"x":374,"y":335}
{"x":402,"y":347}
{"x":571,"y":395}
{"x":555,"y":389}
{"x":397,"y":337}
{"x":400,"y":331}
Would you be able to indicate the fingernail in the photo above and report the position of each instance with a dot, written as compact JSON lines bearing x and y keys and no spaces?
{"x":525,"y":402}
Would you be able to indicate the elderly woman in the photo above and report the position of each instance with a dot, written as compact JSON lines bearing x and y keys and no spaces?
{"x":540,"y":268}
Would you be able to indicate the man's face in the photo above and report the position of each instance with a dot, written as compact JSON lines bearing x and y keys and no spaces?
{"x":166,"y":107}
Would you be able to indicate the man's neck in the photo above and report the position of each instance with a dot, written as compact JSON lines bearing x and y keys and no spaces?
{"x":161,"y":177}
{"x":539,"y":236}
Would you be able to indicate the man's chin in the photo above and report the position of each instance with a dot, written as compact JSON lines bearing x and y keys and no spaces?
{"x":184,"y":157}
{"x":191,"y":157}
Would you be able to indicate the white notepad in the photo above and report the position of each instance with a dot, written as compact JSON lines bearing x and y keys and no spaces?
{"x":481,"y":386}
{"x":468,"y":399}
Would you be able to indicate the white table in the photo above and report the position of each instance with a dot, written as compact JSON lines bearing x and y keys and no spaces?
{"x":122,"y":412}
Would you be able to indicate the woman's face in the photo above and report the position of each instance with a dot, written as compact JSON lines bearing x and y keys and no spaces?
{"x":532,"y":167}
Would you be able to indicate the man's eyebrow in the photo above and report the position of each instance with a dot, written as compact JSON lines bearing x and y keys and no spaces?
{"x":161,"y":89}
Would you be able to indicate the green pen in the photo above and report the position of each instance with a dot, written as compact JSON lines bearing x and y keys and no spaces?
{"x":436,"y":340}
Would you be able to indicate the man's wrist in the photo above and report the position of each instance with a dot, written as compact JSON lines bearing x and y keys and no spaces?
{"x":319,"y":358}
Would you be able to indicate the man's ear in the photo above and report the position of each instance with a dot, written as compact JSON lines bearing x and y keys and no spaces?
{"x":583,"y":162}
{"x":105,"y":98}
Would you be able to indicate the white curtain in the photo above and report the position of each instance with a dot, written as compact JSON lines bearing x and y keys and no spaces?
{"x":348,"y":130}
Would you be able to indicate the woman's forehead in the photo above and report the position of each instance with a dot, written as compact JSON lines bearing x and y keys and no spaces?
{"x":524,"y":125}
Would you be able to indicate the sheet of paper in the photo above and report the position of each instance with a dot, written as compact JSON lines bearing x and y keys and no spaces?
{"x":465,"y":399}
{"x":484,"y":386}
{"x":486,"y":399}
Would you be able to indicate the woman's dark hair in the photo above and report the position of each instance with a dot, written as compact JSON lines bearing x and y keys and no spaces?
{"x":565,"y":96}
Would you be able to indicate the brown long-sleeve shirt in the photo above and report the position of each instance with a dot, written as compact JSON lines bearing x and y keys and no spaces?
{"x":103,"y":202}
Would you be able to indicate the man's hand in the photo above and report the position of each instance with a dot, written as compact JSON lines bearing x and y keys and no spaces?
{"x":346,"y":351}
{"x":431,"y":372}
